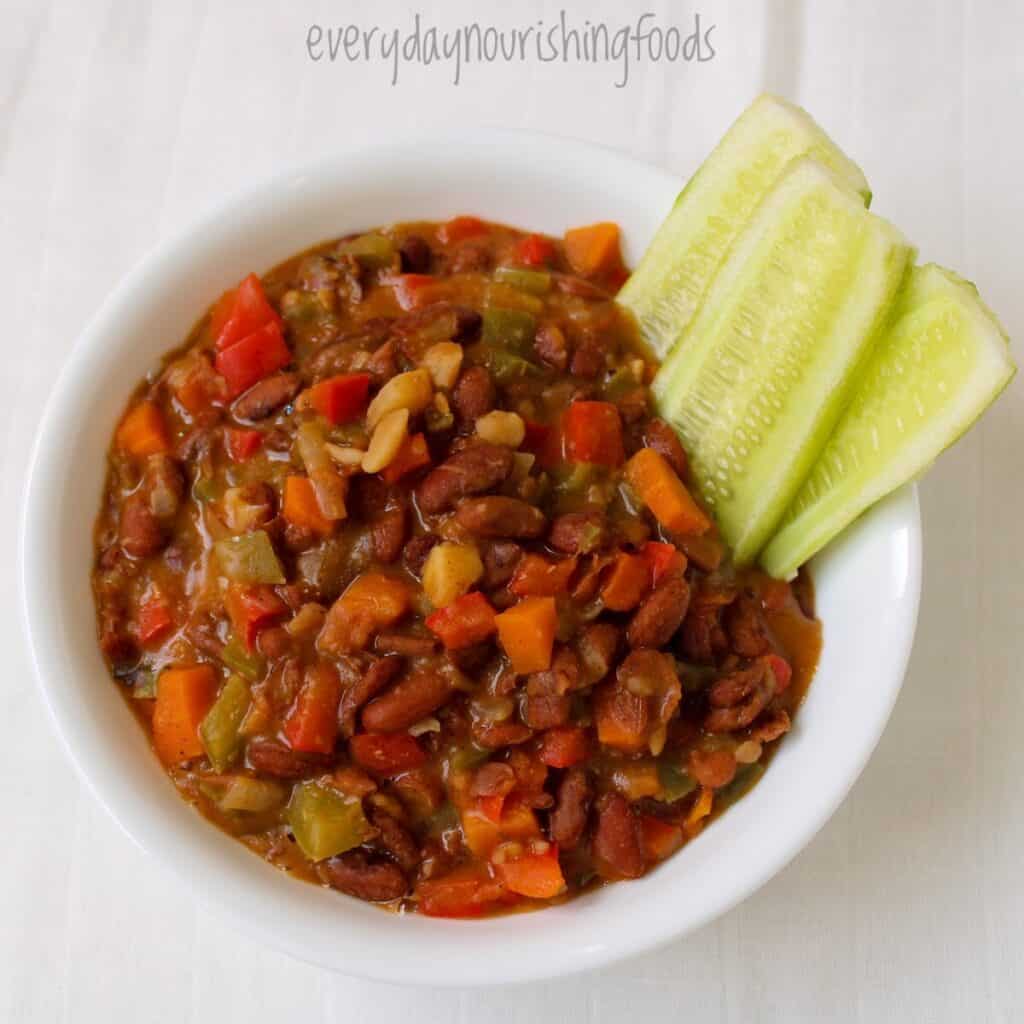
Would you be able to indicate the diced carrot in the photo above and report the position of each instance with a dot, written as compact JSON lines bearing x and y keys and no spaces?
{"x":593,"y":433}
{"x":537,"y":576}
{"x":527,"y":633}
{"x":301,"y":508}
{"x":534,"y":251}
{"x":414,"y":454}
{"x":483,"y":832}
{"x":627,"y":583}
{"x":341,"y":398}
{"x":468,"y":620}
{"x":466,"y":892}
{"x":621,"y":718}
{"x":254,"y":357}
{"x":563,"y":746}
{"x":143,"y":431}
{"x":660,"y":838}
{"x":242,"y":444}
{"x":536,"y":875}
{"x":312,"y":722}
{"x":660,"y":489}
{"x":155,"y":619}
{"x":459,"y":228}
{"x":664,"y":559}
{"x":246,"y":311}
{"x":183,"y":696}
{"x":372,"y":601}
{"x":252,"y":609}
{"x":593,"y":249}
{"x":386,"y":753}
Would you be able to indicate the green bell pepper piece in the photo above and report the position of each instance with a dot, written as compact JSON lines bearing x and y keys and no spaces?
{"x":249,"y":558}
{"x":675,"y":783}
{"x":743,"y":781}
{"x":536,"y":282}
{"x":238,"y":659}
{"x":219,"y":729}
{"x":509,"y":329}
{"x":255,"y":796}
{"x":324,"y":822}
{"x":505,"y":366}
{"x":373,"y":250}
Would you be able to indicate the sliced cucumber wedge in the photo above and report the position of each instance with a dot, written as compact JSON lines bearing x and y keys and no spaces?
{"x":943,"y":361}
{"x":673,"y":276}
{"x":758,"y":380}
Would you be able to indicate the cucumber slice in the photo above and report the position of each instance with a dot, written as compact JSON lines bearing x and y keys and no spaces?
{"x":673,"y":276}
{"x":934,"y":372}
{"x":756,"y":384}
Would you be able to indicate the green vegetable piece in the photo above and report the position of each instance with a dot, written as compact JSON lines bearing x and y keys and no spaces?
{"x":324,"y":822}
{"x":255,"y":796}
{"x":469,"y":756}
{"x":675,"y":783}
{"x":249,"y":558}
{"x":743,"y":782}
{"x":505,"y":366}
{"x":573,"y":477}
{"x":238,"y":659}
{"x":373,"y":251}
{"x":206,"y":489}
{"x":443,"y":819}
{"x":302,"y":306}
{"x":509,"y":329}
{"x":144,"y":687}
{"x":536,"y":282}
{"x":219,"y":730}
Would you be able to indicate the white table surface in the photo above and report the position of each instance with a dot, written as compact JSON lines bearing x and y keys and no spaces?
{"x":121,"y":119}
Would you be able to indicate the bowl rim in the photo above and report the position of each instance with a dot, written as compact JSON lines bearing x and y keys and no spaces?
{"x":33,"y":544}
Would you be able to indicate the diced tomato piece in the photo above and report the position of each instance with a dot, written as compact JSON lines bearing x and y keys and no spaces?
{"x":254,"y":357}
{"x":252,"y":609}
{"x":664,"y":559}
{"x":414,"y":454}
{"x":660,"y":838}
{"x":490,"y":806}
{"x":535,"y":251}
{"x":782,"y":670}
{"x":537,"y":576}
{"x":593,"y":433}
{"x":312,"y":723}
{"x":536,"y":875}
{"x":155,"y":618}
{"x":242,"y":443}
{"x":386,"y":753}
{"x":249,"y":311}
{"x":468,"y":620}
{"x":459,"y":228}
{"x":342,"y":398}
{"x":466,"y":892}
{"x":563,"y":746}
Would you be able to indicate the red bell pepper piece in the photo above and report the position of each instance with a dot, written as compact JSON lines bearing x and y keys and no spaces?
{"x":252,"y":609}
{"x":386,"y":753}
{"x":155,"y":618}
{"x":535,"y":251}
{"x":468,"y":620}
{"x":664,"y":560}
{"x":312,"y":723}
{"x":563,"y":746}
{"x":593,"y":433}
{"x":242,"y":443}
{"x":459,"y":228}
{"x":414,"y":454}
{"x":254,"y":357}
{"x":536,"y":437}
{"x":342,"y":398}
{"x":247,"y":311}
{"x":466,"y":892}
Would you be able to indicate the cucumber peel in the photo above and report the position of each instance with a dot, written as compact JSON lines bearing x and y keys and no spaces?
{"x":938,"y":367}
{"x":762,"y":373}
{"x":673,"y":277}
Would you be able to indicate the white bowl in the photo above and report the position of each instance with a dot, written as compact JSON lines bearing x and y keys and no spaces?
{"x":868,"y":585}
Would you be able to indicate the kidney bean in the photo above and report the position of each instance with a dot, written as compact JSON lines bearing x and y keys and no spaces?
{"x":337,"y":357}
{"x":271,"y":757}
{"x":140,"y":532}
{"x":495,"y":735}
{"x":412,"y":698}
{"x":500,"y":560}
{"x":382,"y":363}
{"x":617,"y":844}
{"x":659,"y":436}
{"x":414,"y":554}
{"x":395,"y":840}
{"x":771,"y":727}
{"x":712,"y":768}
{"x":498,"y":516}
{"x":660,"y":614}
{"x":476,"y":468}
{"x":738,"y":698}
{"x":702,"y":638}
{"x":474,"y":394}
{"x":568,"y":817}
{"x":380,"y":673}
{"x":387,"y":534}
{"x":588,"y":357}
{"x":598,"y":644}
{"x":578,"y":532}
{"x":264,"y":397}
{"x":633,"y":406}
{"x":473,"y":658}
{"x":747,"y":632}
{"x":551,"y":347}
{"x":415,"y":254}
{"x":546,"y":711}
{"x":408,"y":645}
{"x":356,"y":875}
{"x":495,"y":778}
{"x":471,"y":257}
